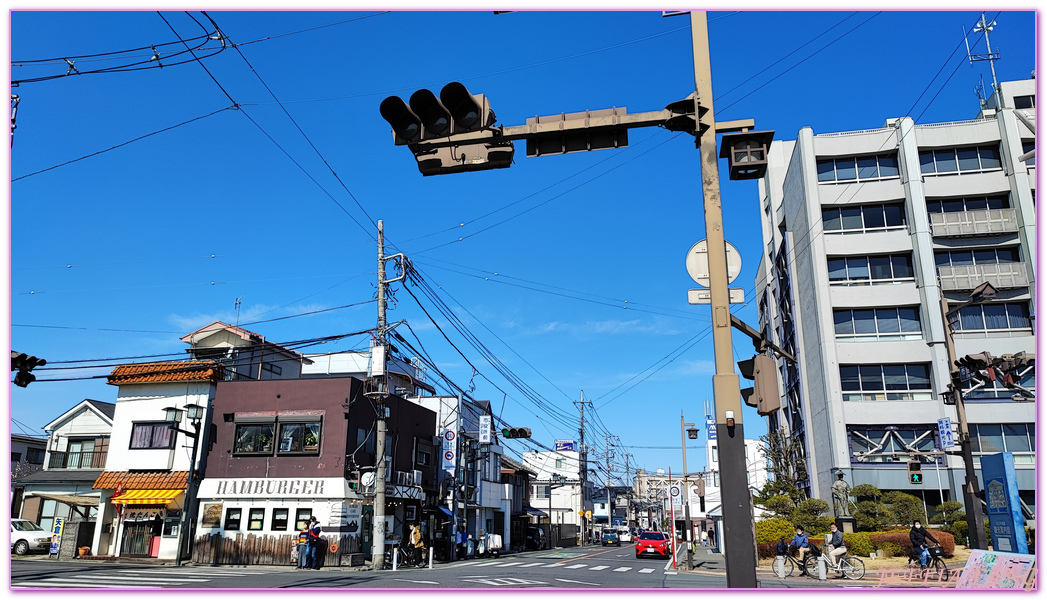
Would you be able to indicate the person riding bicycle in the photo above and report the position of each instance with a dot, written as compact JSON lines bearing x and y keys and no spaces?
{"x":919,"y":536}
{"x":800,"y":544}
{"x":836,"y":541}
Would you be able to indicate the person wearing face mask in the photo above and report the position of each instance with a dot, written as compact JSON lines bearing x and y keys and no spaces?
{"x":919,"y":537}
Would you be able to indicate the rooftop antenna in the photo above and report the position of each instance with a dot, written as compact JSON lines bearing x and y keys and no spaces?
{"x":990,"y":55}
{"x":236,"y":304}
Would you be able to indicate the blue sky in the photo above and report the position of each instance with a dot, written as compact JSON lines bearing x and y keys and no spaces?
{"x":120,"y":254}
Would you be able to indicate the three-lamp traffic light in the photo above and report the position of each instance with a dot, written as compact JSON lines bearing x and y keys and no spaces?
{"x":425,"y":118}
{"x":513,"y":433}
{"x":764,"y":394}
{"x":915,"y":474}
{"x":24,"y":363}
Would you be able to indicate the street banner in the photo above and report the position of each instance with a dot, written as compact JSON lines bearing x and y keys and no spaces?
{"x":56,"y":535}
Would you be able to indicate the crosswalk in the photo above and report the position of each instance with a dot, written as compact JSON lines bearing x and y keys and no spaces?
{"x":570,"y":567}
{"x":137,"y":578}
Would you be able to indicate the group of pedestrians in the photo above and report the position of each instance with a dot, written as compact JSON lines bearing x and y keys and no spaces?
{"x":308,"y":541}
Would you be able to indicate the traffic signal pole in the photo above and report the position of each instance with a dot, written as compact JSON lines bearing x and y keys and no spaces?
{"x":739,"y":528}
{"x":971,"y":503}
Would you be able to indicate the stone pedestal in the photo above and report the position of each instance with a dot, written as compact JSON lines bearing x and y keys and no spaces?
{"x":847,"y":524}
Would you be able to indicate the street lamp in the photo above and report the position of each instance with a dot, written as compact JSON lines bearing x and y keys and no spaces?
{"x":195,"y":412}
{"x":972,"y":504}
{"x":692,"y":433}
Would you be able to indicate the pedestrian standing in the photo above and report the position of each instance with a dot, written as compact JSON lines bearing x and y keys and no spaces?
{"x":303,"y":546}
{"x":705,"y":539}
{"x":416,"y":544}
{"x":314,"y":542}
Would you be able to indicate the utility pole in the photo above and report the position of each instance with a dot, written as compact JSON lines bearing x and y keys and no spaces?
{"x":686,"y":496}
{"x":378,"y":544}
{"x":629,"y":497}
{"x":582,"y":466}
{"x":610,"y":455}
{"x":739,"y":527}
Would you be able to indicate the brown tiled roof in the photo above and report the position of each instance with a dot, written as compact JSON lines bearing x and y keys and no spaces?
{"x":157,"y":480}
{"x":192,"y":370}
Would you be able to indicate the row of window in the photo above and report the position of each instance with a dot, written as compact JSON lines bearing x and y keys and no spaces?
{"x":256,"y":519}
{"x":1017,"y":438}
{"x":33,"y":456}
{"x":932,"y":162}
{"x":868,"y":269}
{"x":958,"y":205}
{"x":867,"y":324}
{"x":865,"y":383}
{"x":983,"y":256}
{"x":959,"y":160}
{"x":857,"y":168}
{"x":870,"y":217}
{"x":258,"y":439}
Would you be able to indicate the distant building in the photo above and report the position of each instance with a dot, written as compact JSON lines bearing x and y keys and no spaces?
{"x":27,"y":457}
{"x":565,"y":501}
{"x":864,"y":232}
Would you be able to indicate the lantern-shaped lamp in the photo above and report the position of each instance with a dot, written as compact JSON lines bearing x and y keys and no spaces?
{"x":746,"y":153}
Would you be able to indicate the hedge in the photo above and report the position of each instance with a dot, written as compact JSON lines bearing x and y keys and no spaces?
{"x":901,"y":539}
{"x":772,"y":530}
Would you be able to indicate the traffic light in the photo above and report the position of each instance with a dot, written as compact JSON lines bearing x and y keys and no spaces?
{"x":1008,"y":365}
{"x":700,"y":485}
{"x":425,"y":118}
{"x":979,"y":366}
{"x":512,"y":433}
{"x":24,"y":363}
{"x":764,"y":394}
{"x":915,"y":475}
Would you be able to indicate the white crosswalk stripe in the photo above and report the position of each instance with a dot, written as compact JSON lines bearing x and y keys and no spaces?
{"x":512,"y":564}
{"x":600,"y":568}
{"x":71,"y":583}
{"x":646,"y":571}
{"x":553,"y":565}
{"x":138,"y":578}
{"x":531,"y":565}
{"x":576,"y":566}
{"x":623,"y":569}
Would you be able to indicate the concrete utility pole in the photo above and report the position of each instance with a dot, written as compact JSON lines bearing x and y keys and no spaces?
{"x":686,"y":495}
{"x":378,"y":539}
{"x":582,"y":466}
{"x":739,"y":527}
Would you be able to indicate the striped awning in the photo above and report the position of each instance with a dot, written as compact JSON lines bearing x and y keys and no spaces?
{"x":147,"y":497}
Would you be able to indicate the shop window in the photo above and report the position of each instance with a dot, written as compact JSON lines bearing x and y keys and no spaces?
{"x":256,"y":519}
{"x":301,"y":518}
{"x":232,"y":519}
{"x":300,"y":438}
{"x":254,"y":438}
{"x":279,"y":519}
{"x":149,"y":436}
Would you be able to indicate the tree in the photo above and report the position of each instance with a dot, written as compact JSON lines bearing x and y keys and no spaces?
{"x":870,"y":513}
{"x":906,"y":508}
{"x":808,"y":514}
{"x":949,"y":512}
{"x":780,"y":506}
{"x":786,"y":462}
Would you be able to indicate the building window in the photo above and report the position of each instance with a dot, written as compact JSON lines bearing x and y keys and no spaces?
{"x":958,"y":205}
{"x":34,"y":456}
{"x":232,"y":519}
{"x":365,"y":439}
{"x":1017,"y":438}
{"x":1027,"y":147}
{"x":254,"y":438}
{"x":423,"y":457}
{"x":1025,"y":102}
{"x":300,"y":438}
{"x":857,"y":168}
{"x":541,"y":492}
{"x":872,"y":444}
{"x":959,"y":160}
{"x":869,"y":324}
{"x":861,"y":219}
{"x":16,"y":457}
{"x":985,"y":256}
{"x":256,"y":519}
{"x":560,"y":463}
{"x":867,"y":383}
{"x":301,"y":518}
{"x":272,"y":368}
{"x":996,"y":391}
{"x":151,"y":436}
{"x":994,"y":317}
{"x":279,"y":519}
{"x":865,"y":270}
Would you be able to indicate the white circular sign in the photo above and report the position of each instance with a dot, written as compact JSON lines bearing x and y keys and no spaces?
{"x":449,"y":435}
{"x":674,"y":490}
{"x":697,"y":263}
{"x":367,"y":479}
{"x":449,"y":455}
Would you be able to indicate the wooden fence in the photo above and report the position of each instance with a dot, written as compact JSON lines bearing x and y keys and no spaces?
{"x":254,"y":549}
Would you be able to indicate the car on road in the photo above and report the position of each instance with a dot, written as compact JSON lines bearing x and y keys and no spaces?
{"x":652,"y":543}
{"x":535,"y":538}
{"x":27,"y":536}
{"x":625,"y":535}
{"x":610,"y":538}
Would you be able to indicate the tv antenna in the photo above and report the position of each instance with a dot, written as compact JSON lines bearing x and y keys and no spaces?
{"x":990,"y":55}
{"x":236,"y":304}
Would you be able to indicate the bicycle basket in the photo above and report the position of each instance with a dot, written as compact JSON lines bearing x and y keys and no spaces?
{"x":936,"y":552}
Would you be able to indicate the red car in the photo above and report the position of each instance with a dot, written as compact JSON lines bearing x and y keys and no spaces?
{"x":653,"y":543}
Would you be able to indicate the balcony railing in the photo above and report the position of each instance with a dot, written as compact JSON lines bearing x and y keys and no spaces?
{"x":967,"y":277}
{"x":77,"y":460}
{"x":974,"y":223}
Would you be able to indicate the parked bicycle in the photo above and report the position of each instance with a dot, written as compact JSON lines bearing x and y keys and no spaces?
{"x":848,"y":566}
{"x":404,"y":558}
{"x":936,"y":569}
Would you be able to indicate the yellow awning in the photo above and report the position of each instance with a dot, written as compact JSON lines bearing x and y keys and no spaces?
{"x":147,"y":497}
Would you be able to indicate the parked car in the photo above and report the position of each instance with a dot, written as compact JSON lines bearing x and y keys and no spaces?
{"x":610,"y":538}
{"x":653,"y":543}
{"x":625,"y":535}
{"x":27,"y":536}
{"x":535,"y":538}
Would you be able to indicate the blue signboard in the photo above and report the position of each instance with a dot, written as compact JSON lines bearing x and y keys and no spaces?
{"x":1001,"y":498}
{"x":565,"y":445}
{"x":711,"y":426}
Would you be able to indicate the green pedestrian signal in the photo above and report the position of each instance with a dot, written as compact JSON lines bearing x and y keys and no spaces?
{"x":915,"y":475}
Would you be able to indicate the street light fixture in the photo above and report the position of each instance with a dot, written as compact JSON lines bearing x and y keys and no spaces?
{"x":172,"y":415}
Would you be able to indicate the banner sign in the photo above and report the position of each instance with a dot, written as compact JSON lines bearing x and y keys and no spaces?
{"x":449,"y":448}
{"x":1001,"y":495}
{"x":711,"y":427}
{"x":998,"y":570}
{"x":485,"y":429}
{"x":56,"y":535}
{"x":945,"y":433}
{"x":565,"y":445}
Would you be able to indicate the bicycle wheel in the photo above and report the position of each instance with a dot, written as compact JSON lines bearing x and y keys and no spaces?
{"x":941,"y":572}
{"x":783,"y":570}
{"x":810,"y":566}
{"x":852,"y":567}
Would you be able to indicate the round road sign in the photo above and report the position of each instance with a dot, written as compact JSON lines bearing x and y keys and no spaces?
{"x":697,"y":263}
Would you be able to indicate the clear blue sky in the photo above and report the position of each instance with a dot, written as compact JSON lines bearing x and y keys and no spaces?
{"x":120,"y":254}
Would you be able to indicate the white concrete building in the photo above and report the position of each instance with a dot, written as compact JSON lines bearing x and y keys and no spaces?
{"x":864,"y":232}
{"x":567,"y":500}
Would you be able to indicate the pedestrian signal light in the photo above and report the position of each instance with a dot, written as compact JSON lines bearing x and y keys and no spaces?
{"x":915,"y":475}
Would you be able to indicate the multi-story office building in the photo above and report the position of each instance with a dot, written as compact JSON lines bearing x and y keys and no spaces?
{"x":864,"y":233}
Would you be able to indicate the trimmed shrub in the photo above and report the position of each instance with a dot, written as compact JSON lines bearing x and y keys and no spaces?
{"x":890,"y":549}
{"x":859,"y":544}
{"x":901,"y":539}
{"x":959,"y":531}
{"x":772,"y":530}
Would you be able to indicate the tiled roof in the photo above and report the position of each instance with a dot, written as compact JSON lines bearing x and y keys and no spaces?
{"x":157,"y":480}
{"x":192,"y":370}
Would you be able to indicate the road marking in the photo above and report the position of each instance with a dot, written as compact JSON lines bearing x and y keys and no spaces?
{"x":507,"y":581}
{"x":140,"y":578}
{"x":512,"y":564}
{"x":600,"y":568}
{"x":417,"y":581}
{"x":646,"y":571}
{"x":531,"y":565}
{"x":559,"y":564}
{"x":581,"y":582}
{"x":623,"y":569}
{"x":62,"y":583}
